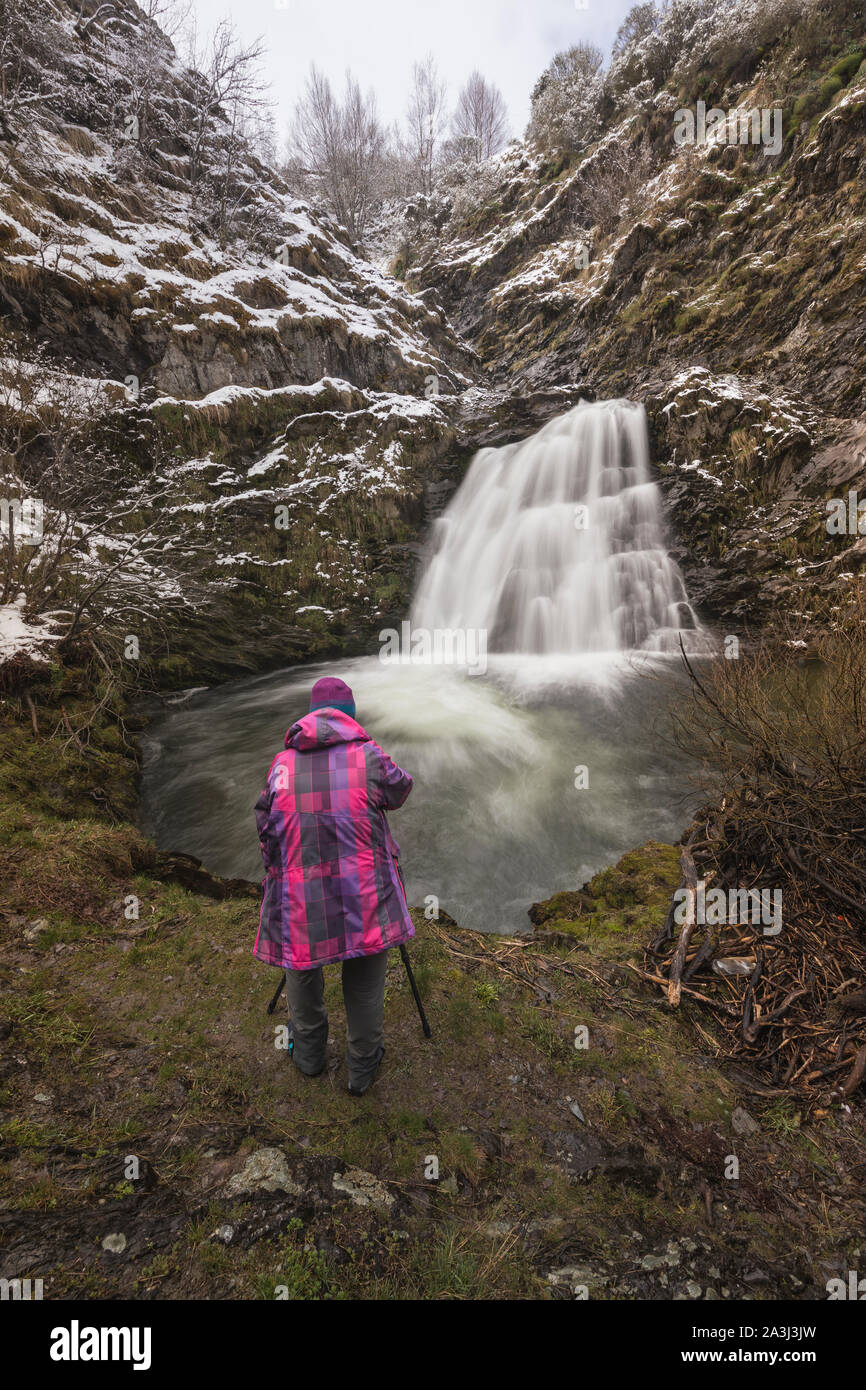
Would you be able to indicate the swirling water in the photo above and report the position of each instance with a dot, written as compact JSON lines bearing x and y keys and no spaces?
{"x":554,"y":549}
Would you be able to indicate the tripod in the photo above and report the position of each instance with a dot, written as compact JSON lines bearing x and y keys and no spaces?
{"x":404,"y":956}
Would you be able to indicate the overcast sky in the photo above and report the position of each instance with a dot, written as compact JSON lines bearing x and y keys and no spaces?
{"x":511,"y":42}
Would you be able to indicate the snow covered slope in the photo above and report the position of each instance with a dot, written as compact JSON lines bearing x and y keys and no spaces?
{"x":243,"y":354}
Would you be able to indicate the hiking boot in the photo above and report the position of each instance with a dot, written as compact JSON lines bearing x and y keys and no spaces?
{"x":362,"y":1090}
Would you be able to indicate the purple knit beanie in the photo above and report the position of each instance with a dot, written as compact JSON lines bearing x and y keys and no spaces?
{"x":332,"y":693}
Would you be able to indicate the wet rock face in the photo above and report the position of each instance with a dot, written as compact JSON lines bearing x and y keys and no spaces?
{"x":835,"y":155}
{"x":210,"y":345}
{"x":732,"y":459}
{"x":488,"y":418}
{"x":304,"y":352}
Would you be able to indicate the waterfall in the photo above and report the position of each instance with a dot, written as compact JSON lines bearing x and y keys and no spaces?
{"x":556,"y":544}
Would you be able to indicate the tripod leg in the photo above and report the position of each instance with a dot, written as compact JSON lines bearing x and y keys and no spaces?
{"x":412,"y":985}
{"x":404,"y":954}
{"x":274,"y":1001}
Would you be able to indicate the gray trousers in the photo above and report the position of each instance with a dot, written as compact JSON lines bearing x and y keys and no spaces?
{"x":364,"y":998}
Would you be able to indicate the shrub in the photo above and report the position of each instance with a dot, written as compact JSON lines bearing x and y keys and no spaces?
{"x":567,"y":100}
{"x":611,"y":188}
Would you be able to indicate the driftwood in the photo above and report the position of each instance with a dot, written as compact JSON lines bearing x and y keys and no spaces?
{"x":799,"y":1016}
{"x":690,"y":880}
{"x":855,"y":1076}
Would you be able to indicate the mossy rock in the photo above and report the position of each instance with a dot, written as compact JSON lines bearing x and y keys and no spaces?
{"x":643,"y":878}
{"x":637,"y":878}
{"x":560,"y":911}
{"x":847,"y":66}
{"x":813,"y":102}
{"x":173,"y":672}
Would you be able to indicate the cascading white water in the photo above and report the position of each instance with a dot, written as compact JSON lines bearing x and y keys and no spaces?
{"x":494,"y":823}
{"x":556,"y":545}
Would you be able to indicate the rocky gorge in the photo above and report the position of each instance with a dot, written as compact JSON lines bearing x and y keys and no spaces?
{"x":243,"y":432}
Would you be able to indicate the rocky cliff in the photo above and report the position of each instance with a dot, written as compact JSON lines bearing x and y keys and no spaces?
{"x":296,"y":414}
{"x":288,"y":401}
{"x":723,"y":285}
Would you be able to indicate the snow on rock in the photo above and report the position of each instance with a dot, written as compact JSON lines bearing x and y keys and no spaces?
{"x":20,"y":638}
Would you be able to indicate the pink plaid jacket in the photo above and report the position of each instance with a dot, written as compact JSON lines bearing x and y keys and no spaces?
{"x":331,"y":888}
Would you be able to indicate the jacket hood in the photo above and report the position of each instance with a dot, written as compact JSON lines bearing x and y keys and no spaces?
{"x":323,"y":727}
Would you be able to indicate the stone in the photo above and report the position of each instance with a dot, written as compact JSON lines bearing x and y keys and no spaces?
{"x":581,"y":1155}
{"x":264,"y":1171}
{"x":115,"y":1244}
{"x":576,"y":1278}
{"x":497,"y":1229}
{"x":363,"y":1189}
{"x":742,"y":1122}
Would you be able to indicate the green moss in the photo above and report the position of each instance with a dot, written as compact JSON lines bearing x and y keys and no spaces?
{"x":817,"y":99}
{"x":639,"y":876}
{"x":846,"y":67}
{"x":689,"y":319}
{"x":562,"y":906}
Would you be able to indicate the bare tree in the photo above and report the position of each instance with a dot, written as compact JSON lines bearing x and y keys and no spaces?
{"x":641,"y":20}
{"x":613,"y":186}
{"x":143,"y":65}
{"x":342,"y":145}
{"x":400,"y":167}
{"x":231,"y":97}
{"x":481,"y":116}
{"x":426,"y":118}
{"x":364,"y":145}
{"x":27,"y":79}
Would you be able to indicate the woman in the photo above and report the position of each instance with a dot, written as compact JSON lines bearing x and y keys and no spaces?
{"x":332,"y":889}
